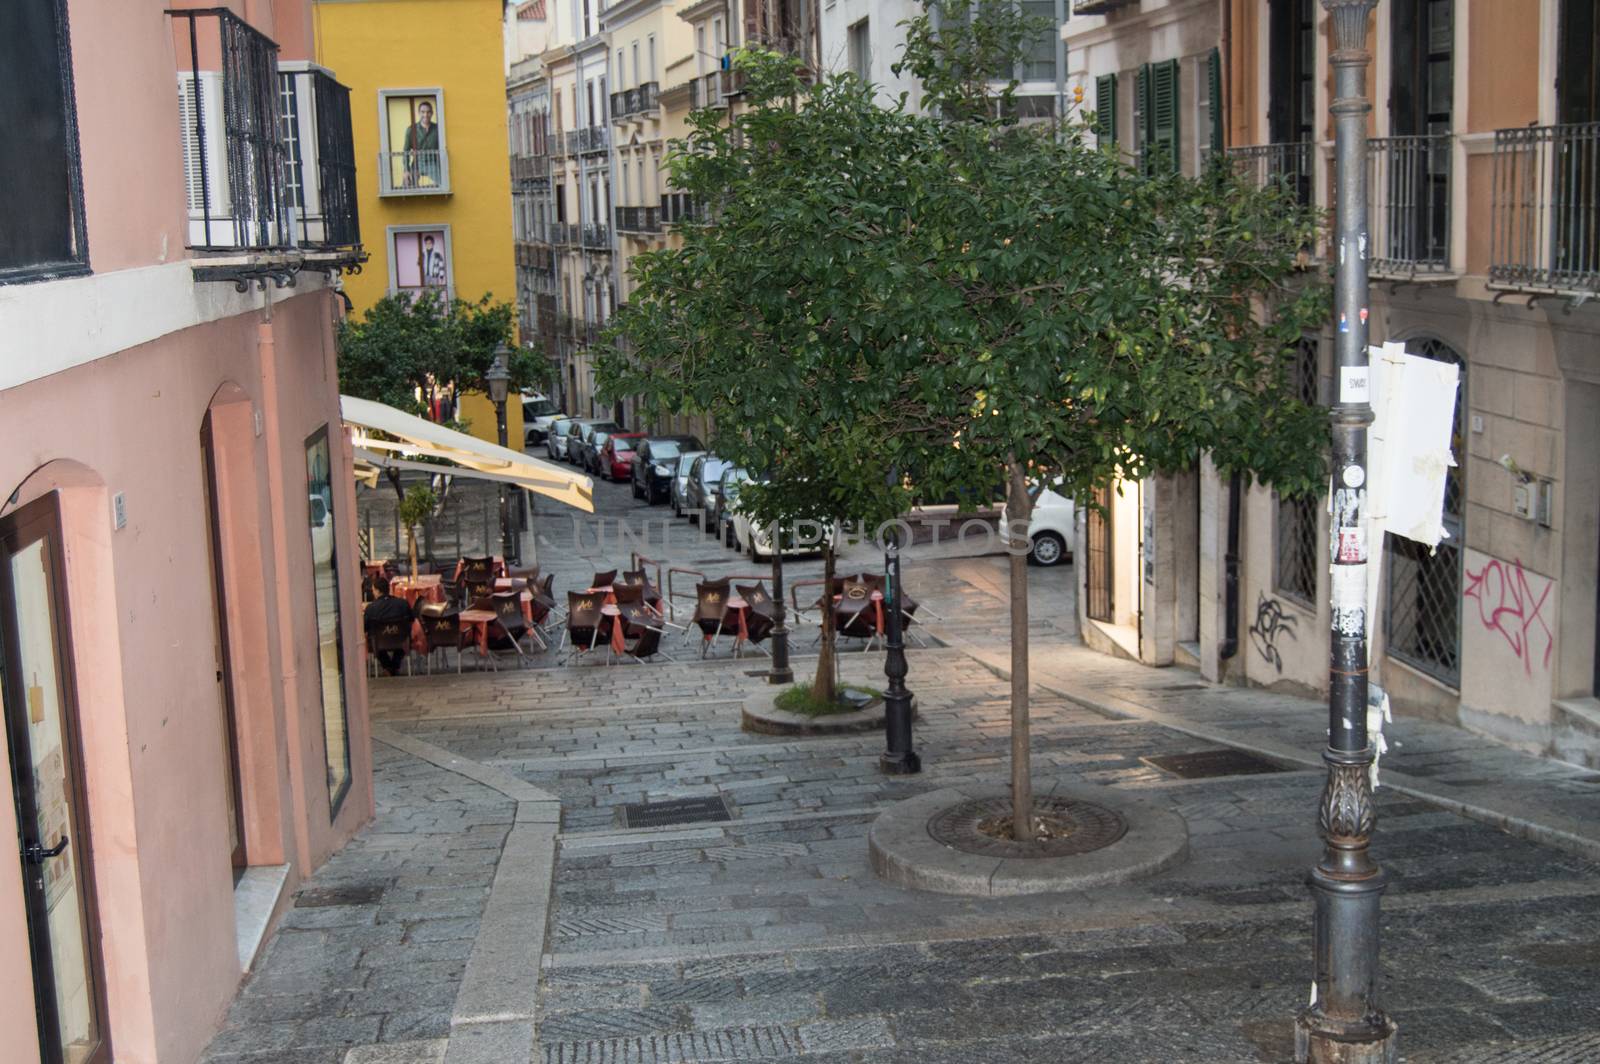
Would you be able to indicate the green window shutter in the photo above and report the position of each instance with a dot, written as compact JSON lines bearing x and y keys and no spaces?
{"x":1141,"y":116}
{"x":1214,"y":93}
{"x":1105,"y":108}
{"x":1164,"y":111}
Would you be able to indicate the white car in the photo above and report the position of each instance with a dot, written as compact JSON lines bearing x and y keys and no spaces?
{"x":755,"y":542}
{"x":1049,"y":529}
{"x":538,"y":412}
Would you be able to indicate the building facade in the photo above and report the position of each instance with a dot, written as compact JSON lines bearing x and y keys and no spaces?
{"x":1481,"y":187}
{"x":182,"y":663}
{"x":429,"y":108}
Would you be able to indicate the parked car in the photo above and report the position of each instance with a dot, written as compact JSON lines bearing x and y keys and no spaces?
{"x":680,"y":481}
{"x":748,"y":539}
{"x":583,"y":457}
{"x":705,"y":480}
{"x":617,"y":456}
{"x":733,"y":479}
{"x":591,"y":452}
{"x":557,"y":437}
{"x":538,"y":413}
{"x":1049,"y":528}
{"x":656,"y":465}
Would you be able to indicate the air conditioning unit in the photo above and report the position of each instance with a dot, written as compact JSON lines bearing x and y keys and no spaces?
{"x":205,"y":187}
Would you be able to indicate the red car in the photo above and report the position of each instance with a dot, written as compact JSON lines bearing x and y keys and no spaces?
{"x":616,"y":457}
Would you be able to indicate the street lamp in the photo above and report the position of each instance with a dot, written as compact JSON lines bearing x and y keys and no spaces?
{"x":780,"y":673}
{"x":898,"y":758}
{"x":499,"y":380}
{"x":1343,"y":1024}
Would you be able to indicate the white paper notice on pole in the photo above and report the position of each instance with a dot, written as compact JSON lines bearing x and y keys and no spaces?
{"x":1409,"y":454}
{"x":1354,"y":384}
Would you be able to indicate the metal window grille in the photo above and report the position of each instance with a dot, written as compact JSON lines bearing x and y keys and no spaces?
{"x":254,"y":211}
{"x":1424,"y":599}
{"x":1098,"y":575}
{"x":1409,"y":182}
{"x":336,"y":163}
{"x":1546,"y":209}
{"x":1296,"y":559}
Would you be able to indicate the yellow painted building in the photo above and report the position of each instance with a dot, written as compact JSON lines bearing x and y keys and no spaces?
{"x":428,"y":105}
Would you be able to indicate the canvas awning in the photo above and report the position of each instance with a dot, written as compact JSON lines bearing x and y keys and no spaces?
{"x":415,"y":437}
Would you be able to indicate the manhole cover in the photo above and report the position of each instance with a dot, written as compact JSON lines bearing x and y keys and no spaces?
{"x":1090,"y":827}
{"x":677,"y":811}
{"x":319,"y":897}
{"x":1203,"y":764}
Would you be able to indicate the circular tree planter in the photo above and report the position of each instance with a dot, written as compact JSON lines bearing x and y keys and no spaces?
{"x":761,"y":715}
{"x":932,"y":842}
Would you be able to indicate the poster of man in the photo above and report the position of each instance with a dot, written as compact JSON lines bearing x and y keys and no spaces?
{"x":421,"y":262}
{"x":416,"y":140}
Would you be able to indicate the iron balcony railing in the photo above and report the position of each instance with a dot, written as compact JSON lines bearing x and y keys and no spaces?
{"x":592,"y":139}
{"x":639,"y":219}
{"x":529,"y":169}
{"x":639,"y":100}
{"x":678,"y":207}
{"x":1287,"y":164}
{"x":1546,"y":209}
{"x":596,"y":236}
{"x":235,"y":158}
{"x":414,"y":173}
{"x":321,"y":159}
{"x":535,"y":256}
{"x":1409,"y":187}
{"x":563,"y":234}
{"x":556,"y":145}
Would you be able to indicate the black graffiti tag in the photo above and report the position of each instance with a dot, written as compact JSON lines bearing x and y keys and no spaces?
{"x":1271,"y":622}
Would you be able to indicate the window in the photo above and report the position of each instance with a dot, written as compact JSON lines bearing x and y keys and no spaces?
{"x":415,"y":158}
{"x":42,"y":215}
{"x":1424,"y":602}
{"x":421,"y":260}
{"x":718,"y":38}
{"x":622,"y":80}
{"x":860,"y":50}
{"x":330,"y":632}
{"x":1105,"y":109}
{"x":1296,"y":564}
{"x":1039,"y":53}
{"x":651,"y":45}
{"x":1207,"y":108}
{"x":700,"y":49}
{"x":636,"y":80}
{"x":289,"y":108}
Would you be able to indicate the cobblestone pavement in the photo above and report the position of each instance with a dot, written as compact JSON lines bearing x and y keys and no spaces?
{"x":767,"y":935}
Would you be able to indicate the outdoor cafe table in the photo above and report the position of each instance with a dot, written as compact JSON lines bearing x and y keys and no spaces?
{"x":739,"y":608}
{"x":876,"y":598}
{"x":428,"y":587}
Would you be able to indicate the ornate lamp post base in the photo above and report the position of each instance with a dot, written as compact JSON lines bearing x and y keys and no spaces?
{"x":899,"y":759}
{"x":1314,"y":1044}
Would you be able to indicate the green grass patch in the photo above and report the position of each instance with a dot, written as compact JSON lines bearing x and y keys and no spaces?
{"x":797,"y":699}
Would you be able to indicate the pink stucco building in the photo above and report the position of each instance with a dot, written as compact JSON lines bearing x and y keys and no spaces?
{"x":180,"y":646}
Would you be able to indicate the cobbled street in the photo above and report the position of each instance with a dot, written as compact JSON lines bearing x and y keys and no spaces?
{"x":499,"y":907}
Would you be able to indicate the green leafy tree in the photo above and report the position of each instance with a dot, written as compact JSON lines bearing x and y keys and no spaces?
{"x":959,"y":299}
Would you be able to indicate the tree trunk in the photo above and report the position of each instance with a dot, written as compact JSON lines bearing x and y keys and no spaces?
{"x":1018,"y":508}
{"x":411,"y":548}
{"x":394,"y":482}
{"x":823,"y":687}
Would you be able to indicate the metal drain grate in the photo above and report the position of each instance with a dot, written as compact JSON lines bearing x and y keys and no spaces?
{"x":676,"y":811}
{"x":1204,"y":764}
{"x":319,"y":897}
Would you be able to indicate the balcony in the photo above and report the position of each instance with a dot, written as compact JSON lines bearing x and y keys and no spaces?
{"x":637,"y":101}
{"x":596,"y":237}
{"x":1545,"y":213}
{"x":563,"y":234}
{"x":530,"y":169}
{"x":588,"y":141}
{"x":1285,"y":164}
{"x":1098,"y":7}
{"x":414,"y":173}
{"x":677,"y":207}
{"x":706,"y":91}
{"x":321,"y":159}
{"x":639,"y":219}
{"x":556,"y":145}
{"x":1408,"y":182}
{"x":535,"y":256}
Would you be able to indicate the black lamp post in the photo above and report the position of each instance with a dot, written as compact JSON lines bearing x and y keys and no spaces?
{"x":898,"y":759}
{"x":780,"y":673}
{"x":1344,"y":1024}
{"x":499,"y":380}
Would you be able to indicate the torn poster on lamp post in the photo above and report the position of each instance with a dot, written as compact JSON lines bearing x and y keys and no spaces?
{"x":1409,"y":459}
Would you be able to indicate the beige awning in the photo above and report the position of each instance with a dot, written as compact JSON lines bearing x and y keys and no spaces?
{"x":415,"y":437}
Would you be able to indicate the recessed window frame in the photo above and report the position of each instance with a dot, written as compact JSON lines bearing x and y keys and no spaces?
{"x":449,"y":254}
{"x":78,"y":263}
{"x":385,"y":149}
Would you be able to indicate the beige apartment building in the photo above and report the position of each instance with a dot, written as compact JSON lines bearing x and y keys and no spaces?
{"x":1484,"y":196}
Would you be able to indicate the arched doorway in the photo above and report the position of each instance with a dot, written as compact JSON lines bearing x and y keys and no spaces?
{"x":1423,"y":614}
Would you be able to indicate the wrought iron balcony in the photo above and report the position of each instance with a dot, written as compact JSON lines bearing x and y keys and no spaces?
{"x":586,"y":141}
{"x":414,"y":173}
{"x":596,"y":237}
{"x":535,"y":256}
{"x":563,"y":234}
{"x":1098,"y":7}
{"x":678,"y":207}
{"x":530,"y":169}
{"x":1287,"y":164}
{"x":556,"y":145}
{"x":639,"y":100}
{"x":1546,"y":210}
{"x":1408,"y":181}
{"x":639,"y":219}
{"x":321,"y":159}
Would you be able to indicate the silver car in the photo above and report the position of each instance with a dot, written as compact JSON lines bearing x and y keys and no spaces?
{"x":555,"y":441}
{"x":680,"y":482}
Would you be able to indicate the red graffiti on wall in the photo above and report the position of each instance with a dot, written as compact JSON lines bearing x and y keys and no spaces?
{"x":1507,"y":604}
